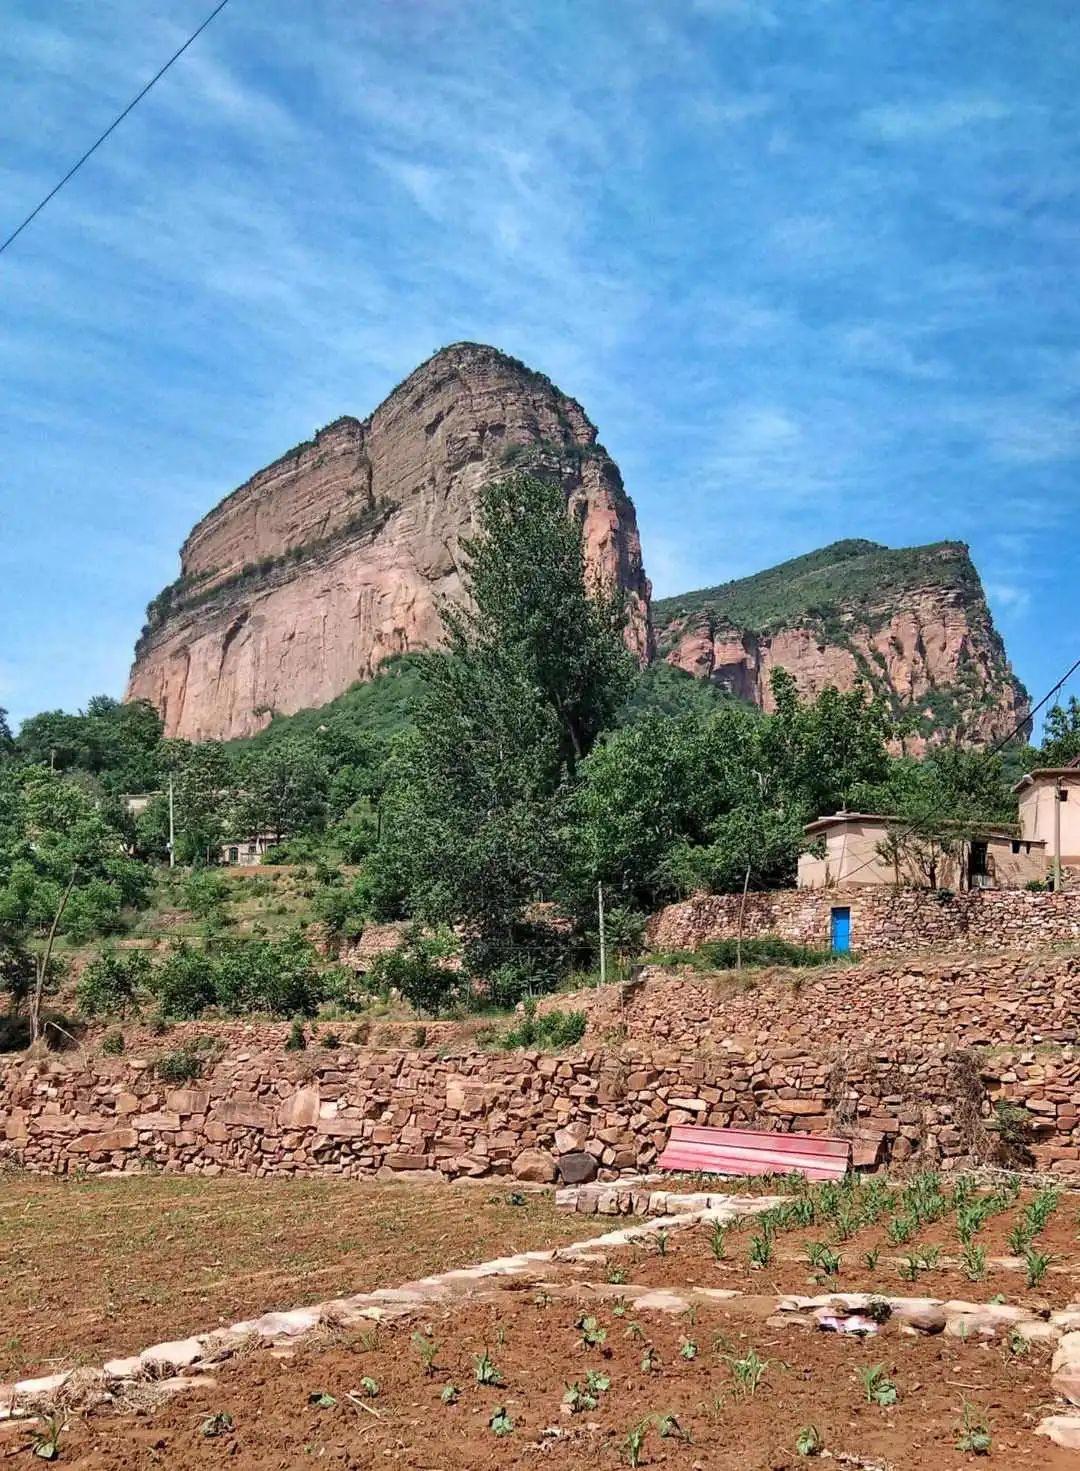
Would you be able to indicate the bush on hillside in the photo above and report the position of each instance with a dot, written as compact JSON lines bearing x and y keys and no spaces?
{"x":115,"y":984}
{"x":551,"y":1029}
{"x":417,"y":970}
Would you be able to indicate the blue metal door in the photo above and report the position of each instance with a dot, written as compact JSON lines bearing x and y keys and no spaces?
{"x":841,"y":930}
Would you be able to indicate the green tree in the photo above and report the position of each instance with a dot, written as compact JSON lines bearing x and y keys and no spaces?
{"x":63,"y":869}
{"x":418,"y":970}
{"x":822,"y":751}
{"x":7,"y":740}
{"x":473,"y":816}
{"x":282,"y":789}
{"x":203,"y":793}
{"x":1061,"y":734}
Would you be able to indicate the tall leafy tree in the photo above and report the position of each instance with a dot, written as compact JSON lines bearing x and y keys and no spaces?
{"x":63,"y":868}
{"x":281,"y":789}
{"x":1061,"y":734}
{"x":473,"y":818}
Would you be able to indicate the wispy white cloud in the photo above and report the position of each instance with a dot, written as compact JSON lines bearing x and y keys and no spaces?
{"x":917,"y":121}
{"x":881,"y":347}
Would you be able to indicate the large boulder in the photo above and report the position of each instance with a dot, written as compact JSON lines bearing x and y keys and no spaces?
{"x":535,"y":1166}
{"x":577,"y":1168}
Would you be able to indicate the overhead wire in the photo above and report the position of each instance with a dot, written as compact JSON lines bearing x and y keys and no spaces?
{"x":993,"y":750}
{"x":55,"y":190}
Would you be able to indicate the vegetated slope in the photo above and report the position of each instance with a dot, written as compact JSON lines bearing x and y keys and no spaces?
{"x":384,"y":706}
{"x":912,"y":621}
{"x":344,"y":550}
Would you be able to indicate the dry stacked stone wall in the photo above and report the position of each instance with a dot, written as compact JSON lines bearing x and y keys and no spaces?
{"x":953,"y":1002}
{"x":883,"y":920}
{"x":357,"y":1112}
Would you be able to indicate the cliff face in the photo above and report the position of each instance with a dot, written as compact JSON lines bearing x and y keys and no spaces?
{"x":912,"y":623}
{"x":340,"y":553}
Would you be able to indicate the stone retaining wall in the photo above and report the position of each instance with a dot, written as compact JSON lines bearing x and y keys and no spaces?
{"x":356,"y":1112}
{"x":883,"y":921}
{"x":982,"y":1001}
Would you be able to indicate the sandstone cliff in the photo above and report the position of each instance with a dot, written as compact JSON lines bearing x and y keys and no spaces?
{"x":343,"y":551}
{"x":913,"y":623}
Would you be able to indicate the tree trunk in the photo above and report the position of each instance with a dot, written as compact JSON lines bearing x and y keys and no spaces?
{"x":41,"y":969}
{"x":742,"y":911}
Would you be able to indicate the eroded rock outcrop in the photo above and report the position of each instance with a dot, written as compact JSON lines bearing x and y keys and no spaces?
{"x":343,"y":551}
{"x":913,"y":623}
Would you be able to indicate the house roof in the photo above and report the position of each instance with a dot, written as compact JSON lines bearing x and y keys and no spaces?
{"x":1008,"y":830}
{"x":1052,"y":773}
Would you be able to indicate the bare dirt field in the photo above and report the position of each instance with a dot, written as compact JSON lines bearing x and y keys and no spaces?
{"x":101,"y":1267}
{"x":578,"y":1363}
{"x":365,"y":1400}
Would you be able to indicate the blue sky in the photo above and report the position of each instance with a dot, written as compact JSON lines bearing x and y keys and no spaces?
{"x":810,"y":265}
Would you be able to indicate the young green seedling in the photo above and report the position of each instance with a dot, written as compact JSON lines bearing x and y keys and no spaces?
{"x":718,"y":1241}
{"x":634,"y":1443}
{"x":909,"y":1266}
{"x":747,"y":1371}
{"x":369,"y":1386}
{"x":485,"y":1370}
{"x":617,"y":1276}
{"x":1037,"y":1263}
{"x":808,"y":1442}
{"x":973,"y":1431}
{"x":871,"y":1259}
{"x":500,"y":1422}
{"x":669,"y":1428}
{"x":215,"y":1425}
{"x":45,"y":1437}
{"x":688,"y":1349}
{"x":427,"y":1348}
{"x":761,"y":1250}
{"x":650,"y":1360}
{"x":450,"y":1394}
{"x":877,"y":1386}
{"x":662,"y":1238}
{"x":974,"y":1259}
{"x":592,"y":1335}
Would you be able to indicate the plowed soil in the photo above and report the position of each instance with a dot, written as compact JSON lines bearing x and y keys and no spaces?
{"x":101,"y":1267}
{"x":400,"y":1418}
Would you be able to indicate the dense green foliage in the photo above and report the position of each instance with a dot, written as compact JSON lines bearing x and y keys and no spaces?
{"x":849,"y":573}
{"x":235,"y":976}
{"x":480,"y":792}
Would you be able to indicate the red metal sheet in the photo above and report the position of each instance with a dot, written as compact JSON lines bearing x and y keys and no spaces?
{"x":697,"y":1150}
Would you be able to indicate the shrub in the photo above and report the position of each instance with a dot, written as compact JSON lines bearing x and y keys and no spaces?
{"x":550,"y":1029}
{"x":186,"y":1062}
{"x":112,"y":1044}
{"x":259,"y":975}
{"x":185,"y":983}
{"x":114,"y":983}
{"x":417,"y":970}
{"x":206,"y":893}
{"x":296,"y":1041}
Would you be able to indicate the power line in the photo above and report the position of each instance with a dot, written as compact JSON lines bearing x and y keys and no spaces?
{"x":992,"y":751}
{"x":111,"y":128}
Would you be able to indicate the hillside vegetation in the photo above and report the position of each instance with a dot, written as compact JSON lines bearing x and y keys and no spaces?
{"x":847,"y":574}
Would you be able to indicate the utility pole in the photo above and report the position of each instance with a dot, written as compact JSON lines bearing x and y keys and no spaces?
{"x":603,"y":946}
{"x":1058,"y":799}
{"x":172,"y":832}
